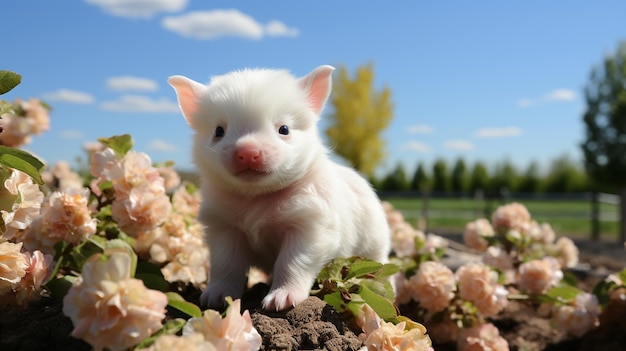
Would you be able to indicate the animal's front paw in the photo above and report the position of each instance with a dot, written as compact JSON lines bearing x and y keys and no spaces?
{"x":283,"y":298}
{"x":215,"y":294}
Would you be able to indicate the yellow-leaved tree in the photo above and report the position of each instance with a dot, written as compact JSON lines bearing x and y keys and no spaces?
{"x":360,"y":114}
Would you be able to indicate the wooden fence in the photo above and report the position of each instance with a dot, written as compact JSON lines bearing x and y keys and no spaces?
{"x":596,"y":208}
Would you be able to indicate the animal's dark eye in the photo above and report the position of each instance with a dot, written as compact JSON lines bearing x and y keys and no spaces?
{"x":219,"y":132}
{"x":284,"y":130}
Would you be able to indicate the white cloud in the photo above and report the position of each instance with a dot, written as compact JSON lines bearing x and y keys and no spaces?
{"x":161,"y":145}
{"x":279,"y":29}
{"x":560,"y":95}
{"x":420,"y":129}
{"x":138,"y":8}
{"x":71,"y":134}
{"x":416,"y":146}
{"x":553,"y":96}
{"x":69,"y":96}
{"x":460,"y":145}
{"x":220,"y":23}
{"x":498,"y":132}
{"x":525,"y":102}
{"x":129,"y":83}
{"x":136,"y":103}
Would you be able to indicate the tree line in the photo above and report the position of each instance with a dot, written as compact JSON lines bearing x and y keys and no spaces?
{"x":562,"y":176}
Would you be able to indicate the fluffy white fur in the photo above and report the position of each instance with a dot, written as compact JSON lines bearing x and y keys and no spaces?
{"x":272,"y":197}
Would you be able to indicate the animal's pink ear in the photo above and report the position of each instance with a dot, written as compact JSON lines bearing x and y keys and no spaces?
{"x":188,"y":92}
{"x":317,"y":85}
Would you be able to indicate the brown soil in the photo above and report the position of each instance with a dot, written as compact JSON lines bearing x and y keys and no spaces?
{"x":313,"y":325}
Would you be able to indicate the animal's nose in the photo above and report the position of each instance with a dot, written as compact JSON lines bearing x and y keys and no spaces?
{"x":248,"y":157}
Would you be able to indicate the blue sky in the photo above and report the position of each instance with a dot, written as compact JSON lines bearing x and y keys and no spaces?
{"x":482,"y":80}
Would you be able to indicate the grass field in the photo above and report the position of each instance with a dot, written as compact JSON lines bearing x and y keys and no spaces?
{"x":571,"y":217}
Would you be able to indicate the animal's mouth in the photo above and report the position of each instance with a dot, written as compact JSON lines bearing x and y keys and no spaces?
{"x":251,"y":175}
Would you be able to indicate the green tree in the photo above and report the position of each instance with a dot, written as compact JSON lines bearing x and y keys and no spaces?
{"x":360,"y":114}
{"x":420,"y":180}
{"x":441,"y":178}
{"x":531,"y":181}
{"x":505,"y":177}
{"x":479,"y":178}
{"x":564,"y":176}
{"x":604,"y":147}
{"x":460,"y":178}
{"x":396,"y":180}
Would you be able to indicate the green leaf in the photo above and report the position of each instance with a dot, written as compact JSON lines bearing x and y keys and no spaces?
{"x":171,"y":327}
{"x":153,"y":281}
{"x":570,"y":279}
{"x":334,"y":299}
{"x":82,"y":252}
{"x":622,"y":275}
{"x":8,"y":81}
{"x":176,"y":301}
{"x":563,"y":293}
{"x":121,"y":144}
{"x":60,"y":286}
{"x":383,"y":307}
{"x":388,"y":270}
{"x":21,"y":161}
{"x":5,"y":107}
{"x":151,"y":276}
{"x":362,"y":268}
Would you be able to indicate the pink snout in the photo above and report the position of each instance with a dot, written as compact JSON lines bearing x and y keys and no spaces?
{"x":248,"y":157}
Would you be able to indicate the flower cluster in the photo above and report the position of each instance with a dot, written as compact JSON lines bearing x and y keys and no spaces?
{"x":233,"y":332}
{"x":27,"y":118}
{"x":379,"y":335}
{"x":109,"y":308}
{"x":406,"y":241}
{"x":20,"y":202}
{"x":141,"y":202}
{"x":22,"y":274}
{"x":175,"y":244}
{"x":482,"y":337}
{"x":65,"y":216}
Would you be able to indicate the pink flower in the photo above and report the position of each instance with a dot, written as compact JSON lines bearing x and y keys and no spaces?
{"x":538,"y":276}
{"x":193,"y":342}
{"x":234,"y":332}
{"x":404,"y":293}
{"x":31,"y":117}
{"x":433,"y":285}
{"x":566,"y":252}
{"x":108,"y":308}
{"x":479,"y":285}
{"x":21,"y":203}
{"x":513,"y":216}
{"x":101,"y":162}
{"x":65,"y":216}
{"x":141,"y":209}
{"x":141,"y":203}
{"x":383,"y":336}
{"x":541,"y":233}
{"x":13,"y":266}
{"x":476,"y":232}
{"x":38,"y":271}
{"x":61,"y":177}
{"x":578,"y":317}
{"x":38,"y":114}
{"x":498,"y":258}
{"x":484,"y":337}
{"x":185,"y":202}
{"x":16,"y":130}
{"x":171,"y":177}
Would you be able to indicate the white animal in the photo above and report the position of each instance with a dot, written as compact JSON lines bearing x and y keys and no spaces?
{"x":272,"y":197}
